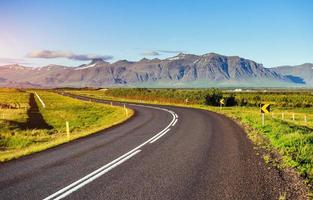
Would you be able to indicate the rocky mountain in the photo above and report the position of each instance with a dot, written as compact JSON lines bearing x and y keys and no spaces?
{"x":299,"y":73}
{"x":182,"y":70}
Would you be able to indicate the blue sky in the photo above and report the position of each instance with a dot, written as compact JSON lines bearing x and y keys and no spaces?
{"x":272,"y":32}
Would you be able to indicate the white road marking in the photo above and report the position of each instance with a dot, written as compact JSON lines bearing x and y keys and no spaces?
{"x":175,"y":122}
{"x":73,"y":189}
{"x":104,"y":169}
{"x":89,"y":176}
{"x":155,"y":139}
{"x":176,"y":115}
{"x":41,"y":101}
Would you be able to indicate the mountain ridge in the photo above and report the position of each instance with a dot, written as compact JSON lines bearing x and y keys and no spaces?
{"x":303,"y":71}
{"x":182,"y":70}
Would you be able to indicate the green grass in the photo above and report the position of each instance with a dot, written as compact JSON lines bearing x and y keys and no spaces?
{"x":13,"y":111}
{"x":84,"y":118}
{"x":292,"y":139}
{"x":18,"y":101}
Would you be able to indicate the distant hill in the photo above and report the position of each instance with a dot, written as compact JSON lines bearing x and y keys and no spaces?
{"x":302,"y":72}
{"x":182,"y":70}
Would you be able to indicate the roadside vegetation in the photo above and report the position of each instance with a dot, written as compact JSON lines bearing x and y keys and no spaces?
{"x":291,"y":137}
{"x":13,"y":113}
{"x":48,"y":128}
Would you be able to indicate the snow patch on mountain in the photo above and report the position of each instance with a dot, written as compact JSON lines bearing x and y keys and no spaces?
{"x":86,"y":66}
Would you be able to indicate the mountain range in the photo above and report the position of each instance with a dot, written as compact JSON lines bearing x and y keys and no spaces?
{"x":299,"y":73}
{"x":182,"y":70}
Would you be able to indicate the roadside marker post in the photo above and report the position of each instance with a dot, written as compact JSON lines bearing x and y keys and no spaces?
{"x":222,"y":102}
{"x":305,"y":120}
{"x":282,"y":116}
{"x":263,"y":116}
{"x":293,"y":117}
{"x":126,"y":111}
{"x":111,"y":103}
{"x":265,"y":108}
{"x":67,"y":130}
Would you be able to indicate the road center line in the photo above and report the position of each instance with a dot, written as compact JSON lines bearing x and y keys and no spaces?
{"x":155,"y":139}
{"x":175,"y":122}
{"x":89,"y":175}
{"x":73,"y":189}
{"x":104,"y":169}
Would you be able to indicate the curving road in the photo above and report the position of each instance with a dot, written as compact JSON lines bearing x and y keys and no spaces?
{"x":161,"y":153}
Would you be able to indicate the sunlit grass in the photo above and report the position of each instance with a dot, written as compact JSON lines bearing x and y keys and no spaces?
{"x":84,"y":118}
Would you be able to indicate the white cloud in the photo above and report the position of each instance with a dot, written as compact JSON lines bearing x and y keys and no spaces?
{"x":151,"y":53}
{"x":47,"y":54}
{"x":169,"y":51}
{"x":160,"y":52}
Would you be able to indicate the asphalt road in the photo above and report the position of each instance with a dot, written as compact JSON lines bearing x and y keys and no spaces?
{"x":160,"y":153}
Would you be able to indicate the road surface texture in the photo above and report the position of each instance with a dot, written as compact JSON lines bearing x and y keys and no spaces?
{"x":160,"y":153}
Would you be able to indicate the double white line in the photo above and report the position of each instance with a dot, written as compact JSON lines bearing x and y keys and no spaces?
{"x":106,"y":168}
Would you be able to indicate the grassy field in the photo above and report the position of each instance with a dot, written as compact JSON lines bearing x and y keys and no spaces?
{"x":13,"y":105}
{"x":13,"y":112}
{"x":292,"y":139}
{"x":84,"y":118}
